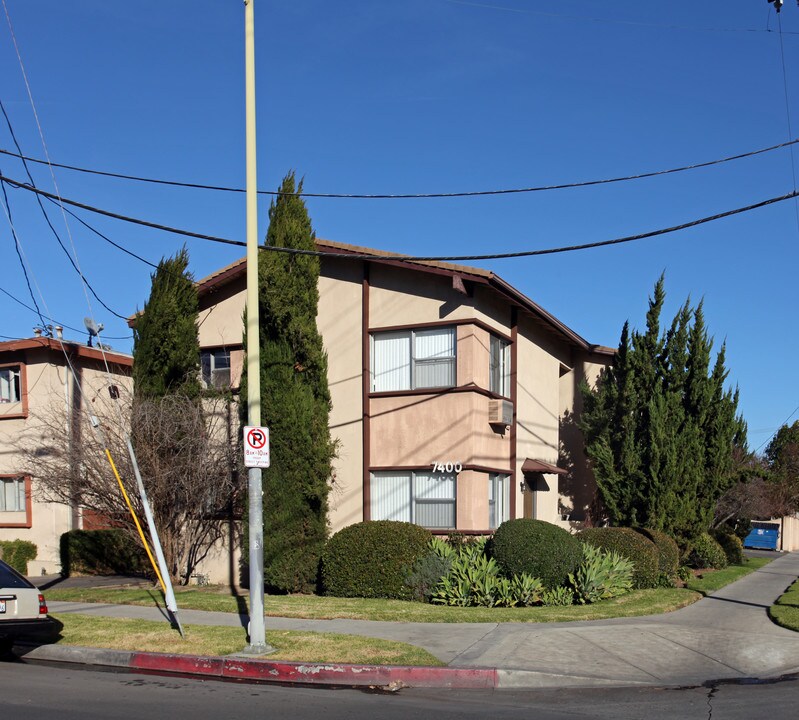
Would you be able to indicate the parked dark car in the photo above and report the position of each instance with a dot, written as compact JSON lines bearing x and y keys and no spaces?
{"x":23,"y":611}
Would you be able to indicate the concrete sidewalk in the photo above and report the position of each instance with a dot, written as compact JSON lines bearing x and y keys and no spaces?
{"x":725,"y":636}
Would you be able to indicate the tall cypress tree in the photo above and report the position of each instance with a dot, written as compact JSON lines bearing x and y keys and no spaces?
{"x":660,"y":428}
{"x":165,"y":344}
{"x":295,"y":398}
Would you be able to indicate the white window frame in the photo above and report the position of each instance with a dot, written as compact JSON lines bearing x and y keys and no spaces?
{"x":414,"y":362}
{"x":216,"y":377}
{"x":499,"y":366}
{"x":410,"y":511}
{"x":17,"y":494}
{"x":10,"y":384}
{"x":498,"y":488}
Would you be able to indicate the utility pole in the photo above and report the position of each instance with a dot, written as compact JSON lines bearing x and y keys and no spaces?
{"x":257,"y":631}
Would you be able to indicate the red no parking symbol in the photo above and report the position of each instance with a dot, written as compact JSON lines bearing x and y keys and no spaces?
{"x":256,"y":438}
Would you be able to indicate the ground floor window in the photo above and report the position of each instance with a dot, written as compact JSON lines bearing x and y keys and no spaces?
{"x":424,"y":498}
{"x":12,"y":494}
{"x":498,"y":500}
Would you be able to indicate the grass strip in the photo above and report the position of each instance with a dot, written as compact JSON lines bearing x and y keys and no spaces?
{"x":712,"y":580}
{"x":206,"y":640}
{"x":315,"y":607}
{"x":785,"y":611}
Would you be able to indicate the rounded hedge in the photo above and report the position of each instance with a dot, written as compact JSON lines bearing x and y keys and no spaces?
{"x":668,"y":551}
{"x":372,"y":559}
{"x":707,"y":553}
{"x":630,"y":544}
{"x":537,"y":548}
{"x":731,"y":544}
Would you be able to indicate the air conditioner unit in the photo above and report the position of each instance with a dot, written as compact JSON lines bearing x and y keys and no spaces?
{"x":500,"y":412}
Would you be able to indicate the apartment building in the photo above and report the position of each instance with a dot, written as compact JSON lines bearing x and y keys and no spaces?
{"x":454,"y":395}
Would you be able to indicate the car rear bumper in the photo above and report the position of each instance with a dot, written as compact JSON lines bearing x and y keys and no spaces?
{"x":40,"y":630}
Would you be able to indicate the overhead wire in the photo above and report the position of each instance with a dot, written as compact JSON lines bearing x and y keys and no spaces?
{"x":412,"y":196}
{"x":18,"y":248}
{"x":608,"y":21}
{"x":88,"y":302}
{"x":58,"y":322}
{"x":48,"y":221}
{"x":425,"y":258}
{"x":788,"y":113}
{"x":782,"y":424}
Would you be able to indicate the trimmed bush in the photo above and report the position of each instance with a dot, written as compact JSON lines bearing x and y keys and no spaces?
{"x":538,"y":548}
{"x":17,"y":553}
{"x":373,"y":559}
{"x":707,"y":553}
{"x":668,"y":551}
{"x":101,"y":552}
{"x":631,"y":545}
{"x":731,"y":544}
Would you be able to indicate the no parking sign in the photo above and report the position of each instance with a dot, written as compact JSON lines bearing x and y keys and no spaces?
{"x":256,"y":447}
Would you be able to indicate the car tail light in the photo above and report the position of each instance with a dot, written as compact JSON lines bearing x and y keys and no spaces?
{"x":42,"y":605}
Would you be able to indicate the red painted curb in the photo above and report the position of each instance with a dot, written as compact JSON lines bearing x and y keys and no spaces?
{"x":316,"y":673}
{"x":185,"y":664}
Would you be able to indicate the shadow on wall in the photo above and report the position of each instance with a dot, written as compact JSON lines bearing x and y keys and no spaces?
{"x":578,"y":487}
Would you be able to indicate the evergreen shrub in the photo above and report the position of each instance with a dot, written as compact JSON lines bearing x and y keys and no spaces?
{"x":731,"y":544}
{"x":630,"y":544}
{"x":668,"y":551}
{"x":373,"y":559}
{"x":101,"y":552}
{"x":17,"y":553}
{"x":535,"y":547}
{"x":707,"y":553}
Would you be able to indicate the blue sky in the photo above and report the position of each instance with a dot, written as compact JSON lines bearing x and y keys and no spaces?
{"x":426,"y":96}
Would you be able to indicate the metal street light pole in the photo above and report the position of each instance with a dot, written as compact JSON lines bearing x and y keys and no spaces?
{"x":257,"y":644}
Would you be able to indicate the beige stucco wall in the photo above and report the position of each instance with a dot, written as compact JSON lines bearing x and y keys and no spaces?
{"x":417,"y":430}
{"x":339,"y":320}
{"x":221,"y":318}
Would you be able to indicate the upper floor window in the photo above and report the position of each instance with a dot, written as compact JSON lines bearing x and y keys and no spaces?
{"x":215,"y":365}
{"x":12,"y":494}
{"x":9,"y":384}
{"x":413,"y":359}
{"x":499,"y":366}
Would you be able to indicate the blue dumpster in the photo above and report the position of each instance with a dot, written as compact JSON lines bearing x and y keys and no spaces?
{"x":763,"y":536}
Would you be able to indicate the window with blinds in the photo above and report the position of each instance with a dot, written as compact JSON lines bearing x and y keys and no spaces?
{"x":12,"y":494}
{"x":498,"y":500}
{"x":499,"y":366}
{"x":413,"y":359}
{"x":9,"y":384}
{"x":424,"y":498}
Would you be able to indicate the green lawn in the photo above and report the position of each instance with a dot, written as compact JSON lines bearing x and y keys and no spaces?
{"x":638,"y":602}
{"x":712,"y":580}
{"x":147,"y":636}
{"x":785,"y":611}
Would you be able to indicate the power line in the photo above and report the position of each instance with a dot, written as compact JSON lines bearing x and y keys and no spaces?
{"x":407,"y":258}
{"x":47,"y":218}
{"x":7,"y":210}
{"x":409,"y":196}
{"x":783,"y":423}
{"x":610,"y":21}
{"x":43,"y":317}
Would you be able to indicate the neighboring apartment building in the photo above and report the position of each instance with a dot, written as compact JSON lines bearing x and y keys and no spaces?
{"x":37,"y":388}
{"x":454,"y":395}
